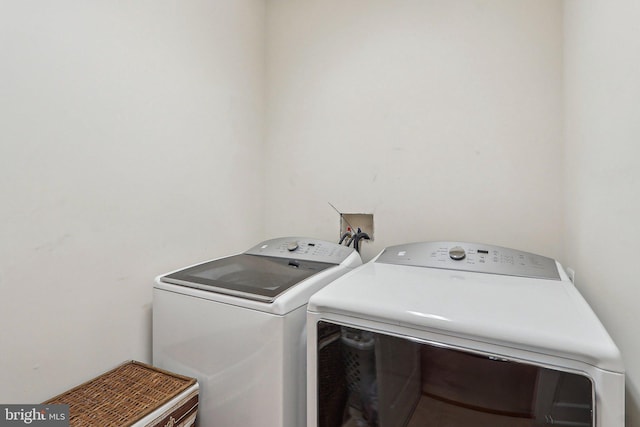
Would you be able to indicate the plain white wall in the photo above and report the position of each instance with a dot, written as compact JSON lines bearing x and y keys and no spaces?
{"x":442,"y":118}
{"x":602,"y":97}
{"x":132,"y":135}
{"x":131,"y":145}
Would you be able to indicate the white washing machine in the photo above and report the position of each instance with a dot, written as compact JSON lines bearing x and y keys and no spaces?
{"x":237,"y":324}
{"x":452,"y":334}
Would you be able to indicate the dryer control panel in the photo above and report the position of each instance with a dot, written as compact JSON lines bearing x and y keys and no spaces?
{"x":471,"y":257}
{"x":302,"y":248}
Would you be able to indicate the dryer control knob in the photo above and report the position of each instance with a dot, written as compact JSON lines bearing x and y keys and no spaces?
{"x":292,"y":246}
{"x":457,"y":253}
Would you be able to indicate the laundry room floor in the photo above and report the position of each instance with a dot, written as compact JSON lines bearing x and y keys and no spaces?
{"x":432,"y":412}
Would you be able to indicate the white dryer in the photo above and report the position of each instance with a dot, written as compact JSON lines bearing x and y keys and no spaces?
{"x":451,"y":334}
{"x":237,"y":324}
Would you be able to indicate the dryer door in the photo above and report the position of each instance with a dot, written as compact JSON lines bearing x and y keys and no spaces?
{"x":371,"y":379}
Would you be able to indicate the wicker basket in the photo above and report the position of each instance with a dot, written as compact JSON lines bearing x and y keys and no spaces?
{"x":129,"y":395}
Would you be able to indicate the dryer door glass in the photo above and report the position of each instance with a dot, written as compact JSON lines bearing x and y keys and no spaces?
{"x":248,"y":276}
{"x":371,"y":379}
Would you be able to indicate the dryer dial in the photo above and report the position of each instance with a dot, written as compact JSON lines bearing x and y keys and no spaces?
{"x":457,"y":253}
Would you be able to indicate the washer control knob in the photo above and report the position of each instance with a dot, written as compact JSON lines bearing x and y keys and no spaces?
{"x":292,"y":246}
{"x":457,"y":253}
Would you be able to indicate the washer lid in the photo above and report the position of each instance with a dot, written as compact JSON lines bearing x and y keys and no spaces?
{"x":255,"y":277}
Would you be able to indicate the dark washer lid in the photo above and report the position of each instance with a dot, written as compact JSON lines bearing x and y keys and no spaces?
{"x":253,"y":277}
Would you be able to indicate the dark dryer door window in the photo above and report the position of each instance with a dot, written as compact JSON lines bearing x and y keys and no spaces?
{"x":247,"y":276}
{"x":371,"y":379}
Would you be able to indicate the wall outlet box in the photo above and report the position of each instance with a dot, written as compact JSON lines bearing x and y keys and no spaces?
{"x":353,"y":221}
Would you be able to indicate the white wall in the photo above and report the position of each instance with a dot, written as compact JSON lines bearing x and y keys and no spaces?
{"x":131,"y":145}
{"x":602,"y":93}
{"x":443,"y":119}
{"x":132,"y":137}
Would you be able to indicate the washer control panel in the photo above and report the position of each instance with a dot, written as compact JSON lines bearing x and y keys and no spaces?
{"x":302,"y":248}
{"x":471,"y":257}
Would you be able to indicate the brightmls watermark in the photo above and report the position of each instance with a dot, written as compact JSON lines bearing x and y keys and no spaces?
{"x":34,"y":415}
